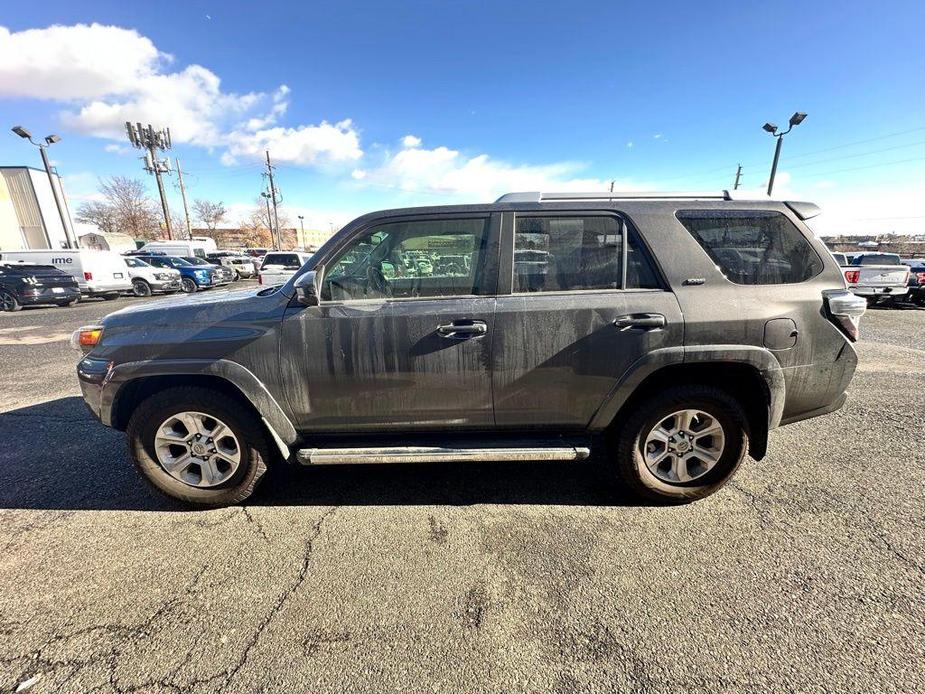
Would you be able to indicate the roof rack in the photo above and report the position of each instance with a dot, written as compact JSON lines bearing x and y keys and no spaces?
{"x":615,"y":195}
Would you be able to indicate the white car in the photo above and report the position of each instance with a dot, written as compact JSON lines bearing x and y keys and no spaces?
{"x":98,"y":273}
{"x":197,"y":247}
{"x":147,"y":279}
{"x":279,"y":266}
{"x":241,"y":265}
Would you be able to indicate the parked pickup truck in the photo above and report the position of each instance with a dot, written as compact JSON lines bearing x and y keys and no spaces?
{"x":877,"y":277}
{"x":916,"y":280}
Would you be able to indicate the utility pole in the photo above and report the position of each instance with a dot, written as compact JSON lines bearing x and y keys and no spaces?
{"x":611,"y":186}
{"x":738,"y":177}
{"x":771,"y":128}
{"x":149,"y":139}
{"x":279,"y":239}
{"x":189,"y":227}
{"x":49,"y":141}
{"x":302,"y":227}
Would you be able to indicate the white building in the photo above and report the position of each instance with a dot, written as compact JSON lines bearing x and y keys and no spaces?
{"x":28,"y":215}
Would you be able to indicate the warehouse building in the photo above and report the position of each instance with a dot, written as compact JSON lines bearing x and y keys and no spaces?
{"x":29,"y":217}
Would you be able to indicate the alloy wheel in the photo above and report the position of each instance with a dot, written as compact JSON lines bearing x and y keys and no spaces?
{"x":197,"y":449}
{"x":684,"y":446}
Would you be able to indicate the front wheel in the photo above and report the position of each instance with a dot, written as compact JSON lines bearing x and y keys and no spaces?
{"x":188,"y":286}
{"x":681,"y":444}
{"x":141,"y":288}
{"x":198,"y":445}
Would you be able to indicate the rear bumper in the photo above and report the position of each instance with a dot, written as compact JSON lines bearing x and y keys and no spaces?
{"x":48,"y":295}
{"x":879,"y":291}
{"x":104,"y":289}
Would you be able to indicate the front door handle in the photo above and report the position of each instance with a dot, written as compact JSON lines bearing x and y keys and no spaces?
{"x":640,"y":321}
{"x":463,"y":329}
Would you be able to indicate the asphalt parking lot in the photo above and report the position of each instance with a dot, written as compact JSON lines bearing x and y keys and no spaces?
{"x":806,"y":574}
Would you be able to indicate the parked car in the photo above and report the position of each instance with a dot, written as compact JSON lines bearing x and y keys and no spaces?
{"x":26,"y":284}
{"x":625,"y":343}
{"x":279,"y":266}
{"x":98,"y":273}
{"x":916,"y":280}
{"x":242,"y":265}
{"x":192,"y":277}
{"x":877,"y":277}
{"x":147,"y":279}
{"x":223,"y":275}
{"x":199,"y":247}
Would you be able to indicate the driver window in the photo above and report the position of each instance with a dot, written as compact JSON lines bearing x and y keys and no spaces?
{"x":432,"y":258}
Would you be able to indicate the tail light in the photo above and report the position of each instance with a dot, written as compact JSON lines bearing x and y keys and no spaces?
{"x":921,"y":277}
{"x":852,"y":276}
{"x":844,"y":309}
{"x":88,"y":276}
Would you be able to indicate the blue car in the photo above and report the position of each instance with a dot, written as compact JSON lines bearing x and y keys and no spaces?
{"x":192,"y":277}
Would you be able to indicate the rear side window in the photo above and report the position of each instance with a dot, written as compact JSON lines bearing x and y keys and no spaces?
{"x":554,"y":254}
{"x":753,"y":246}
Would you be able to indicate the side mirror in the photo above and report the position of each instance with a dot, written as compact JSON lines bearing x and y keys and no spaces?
{"x":307,"y":288}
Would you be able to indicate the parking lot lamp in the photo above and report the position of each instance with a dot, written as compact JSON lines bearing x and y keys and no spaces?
{"x":50,"y":140}
{"x":795,"y":119}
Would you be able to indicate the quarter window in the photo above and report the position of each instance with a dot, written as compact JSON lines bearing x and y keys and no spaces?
{"x":560,"y":253}
{"x":753,"y":246}
{"x":417,"y":259}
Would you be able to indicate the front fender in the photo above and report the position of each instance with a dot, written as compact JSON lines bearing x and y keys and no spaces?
{"x":239,"y":376}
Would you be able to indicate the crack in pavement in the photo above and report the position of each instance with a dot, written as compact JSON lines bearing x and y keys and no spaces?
{"x":253,"y":520}
{"x":283,"y":598}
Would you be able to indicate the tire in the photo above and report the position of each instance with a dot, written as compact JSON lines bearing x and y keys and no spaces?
{"x":147,"y":420}
{"x":9,"y":302}
{"x":188,"y":286}
{"x":141,"y":288}
{"x":70,"y":303}
{"x":237,"y":276}
{"x":631,"y":465}
{"x":871,"y":301}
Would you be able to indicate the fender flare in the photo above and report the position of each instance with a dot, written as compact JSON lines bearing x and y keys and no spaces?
{"x":277,"y":421}
{"x":761,"y":359}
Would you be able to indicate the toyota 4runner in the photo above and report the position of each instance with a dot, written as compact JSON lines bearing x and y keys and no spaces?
{"x":667,"y":334}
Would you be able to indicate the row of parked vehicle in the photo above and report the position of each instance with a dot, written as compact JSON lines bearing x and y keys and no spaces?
{"x":62,"y":277}
{"x":884,"y":278}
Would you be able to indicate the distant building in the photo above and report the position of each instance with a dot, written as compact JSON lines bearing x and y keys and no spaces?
{"x":232,"y":238}
{"x":28,"y":215}
{"x":905,"y":245}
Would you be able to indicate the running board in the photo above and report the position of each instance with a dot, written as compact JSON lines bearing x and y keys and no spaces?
{"x":436,"y":454}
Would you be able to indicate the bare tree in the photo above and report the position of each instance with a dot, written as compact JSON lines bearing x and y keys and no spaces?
{"x":209,"y":213}
{"x":125,"y":208}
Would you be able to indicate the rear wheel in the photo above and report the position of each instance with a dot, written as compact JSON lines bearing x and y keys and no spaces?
{"x":188,"y":286}
{"x":8,"y":301}
{"x":141,"y":288}
{"x":682,"y":444}
{"x":198,"y":445}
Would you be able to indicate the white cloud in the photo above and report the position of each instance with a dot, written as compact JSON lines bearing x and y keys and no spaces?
{"x":307,"y":144}
{"x":108,"y":75}
{"x":447,"y":171}
{"x":629,"y":144}
{"x":75,"y":62}
{"x":657,"y":136}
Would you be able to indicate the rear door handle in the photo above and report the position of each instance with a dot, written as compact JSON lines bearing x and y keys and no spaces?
{"x":640,"y":321}
{"x":463,"y":329}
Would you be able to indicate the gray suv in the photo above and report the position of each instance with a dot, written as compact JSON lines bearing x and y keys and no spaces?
{"x":668,"y":334}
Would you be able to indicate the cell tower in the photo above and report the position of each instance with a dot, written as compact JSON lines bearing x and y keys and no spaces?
{"x":153,"y":141}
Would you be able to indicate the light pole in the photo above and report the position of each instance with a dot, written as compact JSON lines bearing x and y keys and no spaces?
{"x":795,"y":119}
{"x":302,"y":227}
{"x":50,"y":140}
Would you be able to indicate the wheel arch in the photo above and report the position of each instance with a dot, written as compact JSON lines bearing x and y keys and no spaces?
{"x":129,"y":384}
{"x":751,"y":375}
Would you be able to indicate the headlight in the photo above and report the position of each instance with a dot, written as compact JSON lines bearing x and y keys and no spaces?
{"x":203,"y":274}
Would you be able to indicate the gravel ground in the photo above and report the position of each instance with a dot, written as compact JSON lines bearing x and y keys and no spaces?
{"x":804,"y":574}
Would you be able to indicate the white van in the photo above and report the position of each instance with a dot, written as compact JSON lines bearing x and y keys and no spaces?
{"x":199,"y":246}
{"x":98,"y":273}
{"x":279,"y":266}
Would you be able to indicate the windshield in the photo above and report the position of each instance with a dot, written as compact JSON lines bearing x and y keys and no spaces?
{"x":135,"y":262}
{"x":195,"y":261}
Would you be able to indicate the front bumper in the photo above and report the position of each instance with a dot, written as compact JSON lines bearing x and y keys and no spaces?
{"x":166,"y":286}
{"x":92,"y":374}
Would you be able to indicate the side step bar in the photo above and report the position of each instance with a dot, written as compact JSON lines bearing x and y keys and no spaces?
{"x":435,"y":454}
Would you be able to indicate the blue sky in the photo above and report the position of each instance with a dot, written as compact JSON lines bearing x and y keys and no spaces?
{"x":371,"y":105}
